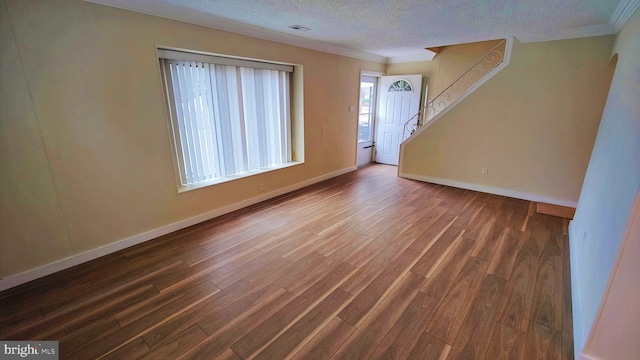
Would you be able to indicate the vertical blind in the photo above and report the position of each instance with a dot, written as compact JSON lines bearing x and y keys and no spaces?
{"x":227,"y":119}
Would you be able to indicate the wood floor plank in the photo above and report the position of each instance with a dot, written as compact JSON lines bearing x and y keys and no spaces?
{"x":133,"y":350}
{"x":365,"y":274}
{"x":453,"y":309}
{"x":505,"y":255}
{"x":47,"y":302}
{"x":227,"y":240}
{"x":247,"y":288}
{"x":393,"y":213}
{"x":327,"y":341}
{"x":404,"y":334}
{"x":529,"y":245}
{"x":437,"y":252}
{"x":543,"y":343}
{"x":203,"y":254}
{"x":228,"y":355}
{"x":472,"y":210}
{"x":104,"y":345}
{"x":390,"y":235}
{"x":547,"y":305}
{"x":258,"y":264}
{"x":452,"y":196}
{"x":223,"y":336}
{"x":142,"y":306}
{"x":428,"y":347}
{"x":255,"y":340}
{"x":304,"y":268}
{"x":99,"y":295}
{"x":362,"y":343}
{"x":234,"y":266}
{"x":29,"y":292}
{"x":433,"y":232}
{"x":143,"y":265}
{"x":540,"y":230}
{"x":294,"y":338}
{"x":506,"y":344}
{"x":465,"y":204}
{"x":554,"y":243}
{"x":370,"y":296}
{"x":232,"y":310}
{"x":302,"y":282}
{"x":78,"y":336}
{"x":206,"y":269}
{"x":175,"y":346}
{"x":488,"y":240}
{"x":25,"y":320}
{"x":518,"y":218}
{"x":60,"y":323}
{"x":480,"y":223}
{"x":518,"y":298}
{"x":360,"y":222}
{"x":475,"y":334}
{"x":494,"y":205}
{"x":351,"y":238}
{"x":309,"y":245}
{"x":282,"y":238}
{"x":442,"y":278}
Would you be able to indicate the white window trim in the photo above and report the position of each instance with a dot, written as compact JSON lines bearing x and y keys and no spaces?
{"x":221,"y":180}
{"x":221,"y":60}
{"x":191,"y":55}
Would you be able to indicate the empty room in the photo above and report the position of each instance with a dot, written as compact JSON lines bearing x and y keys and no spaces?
{"x":319,"y":179}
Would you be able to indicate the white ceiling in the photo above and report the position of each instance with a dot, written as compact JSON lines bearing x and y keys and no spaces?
{"x":394,"y":30}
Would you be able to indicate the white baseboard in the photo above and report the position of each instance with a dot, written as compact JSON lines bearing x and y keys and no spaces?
{"x":48,"y":269}
{"x":491,"y":190}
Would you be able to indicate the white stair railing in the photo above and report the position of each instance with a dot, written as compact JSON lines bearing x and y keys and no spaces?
{"x":480,"y":69}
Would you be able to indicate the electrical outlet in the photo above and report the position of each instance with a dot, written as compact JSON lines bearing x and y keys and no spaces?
{"x":261,"y":187}
{"x":485,"y":171}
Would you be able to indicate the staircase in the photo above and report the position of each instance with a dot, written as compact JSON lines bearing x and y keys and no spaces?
{"x":481,"y":71}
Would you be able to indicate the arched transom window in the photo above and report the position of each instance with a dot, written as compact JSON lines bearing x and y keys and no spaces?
{"x":401,"y":85}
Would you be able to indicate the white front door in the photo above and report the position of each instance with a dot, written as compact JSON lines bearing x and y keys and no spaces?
{"x":399,"y":101}
{"x":366,"y":118}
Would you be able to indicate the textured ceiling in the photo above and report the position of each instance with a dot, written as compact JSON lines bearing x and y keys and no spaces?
{"x":394,"y":30}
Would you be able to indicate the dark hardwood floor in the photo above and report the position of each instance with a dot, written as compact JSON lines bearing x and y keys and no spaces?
{"x":365,"y":265}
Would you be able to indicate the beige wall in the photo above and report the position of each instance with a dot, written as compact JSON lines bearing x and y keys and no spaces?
{"x":85,"y":153}
{"x":447,"y":66}
{"x":533,"y":125}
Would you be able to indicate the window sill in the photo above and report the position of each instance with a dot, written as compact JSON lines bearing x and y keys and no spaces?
{"x":185,"y":188}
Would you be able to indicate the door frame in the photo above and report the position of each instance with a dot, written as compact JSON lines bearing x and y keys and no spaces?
{"x":377,"y":75}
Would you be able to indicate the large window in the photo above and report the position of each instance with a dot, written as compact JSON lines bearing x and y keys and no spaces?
{"x":229,"y":117}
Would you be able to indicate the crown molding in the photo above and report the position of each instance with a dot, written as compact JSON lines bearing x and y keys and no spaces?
{"x":193,"y":17}
{"x":623,"y":12}
{"x":570,"y":33}
{"x":620,"y":16}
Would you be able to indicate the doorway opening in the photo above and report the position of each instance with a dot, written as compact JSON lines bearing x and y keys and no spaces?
{"x":367,"y":119}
